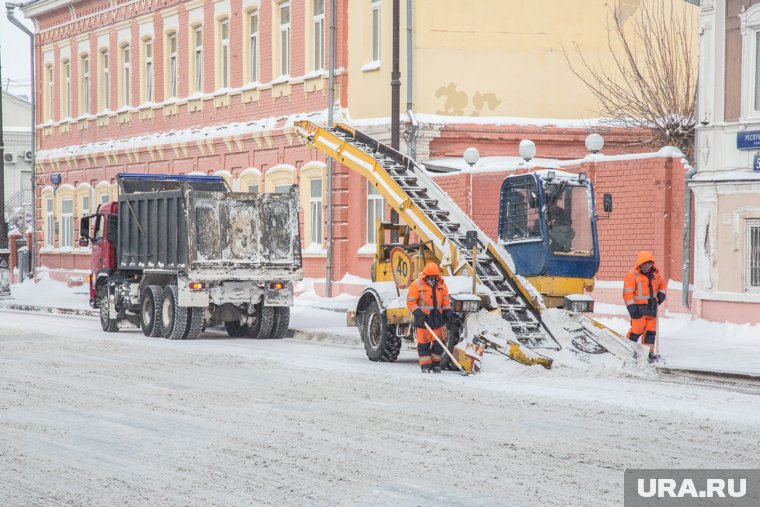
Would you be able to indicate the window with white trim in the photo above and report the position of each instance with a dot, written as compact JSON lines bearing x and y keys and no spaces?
{"x":282,"y":189}
{"x":375,"y":210}
{"x":105,"y":96}
{"x":49,"y":222}
{"x":172,"y":85}
{"x":85,"y":66}
{"x":253,"y":47}
{"x":148,"y":70}
{"x":104,"y":198}
{"x":285,"y":39}
{"x":315,"y":211}
{"x":126,"y":76}
{"x":66,"y":89}
{"x":198,"y":58}
{"x":750,"y":54}
{"x":753,"y":256}
{"x":67,"y":223}
{"x":318,"y":35}
{"x":51,"y":89}
{"x":376,"y":30}
{"x":224,"y":53}
{"x":253,"y":188}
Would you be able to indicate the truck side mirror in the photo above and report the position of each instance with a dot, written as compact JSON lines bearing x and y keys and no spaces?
{"x":608,"y":203}
{"x":84,"y":242}
{"x":113,"y":224}
{"x":533,"y":200}
{"x":84,"y":230}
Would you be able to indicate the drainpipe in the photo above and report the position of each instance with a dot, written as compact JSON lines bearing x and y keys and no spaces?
{"x":409,"y":47}
{"x":685,"y":274}
{"x":10,"y":8}
{"x":330,"y":119}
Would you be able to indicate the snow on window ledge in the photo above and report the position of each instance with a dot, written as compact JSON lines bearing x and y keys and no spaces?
{"x":314,"y":250}
{"x":373,"y":65}
{"x":368,"y":249}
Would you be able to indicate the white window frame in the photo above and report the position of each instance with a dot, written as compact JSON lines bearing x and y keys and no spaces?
{"x":283,"y":188}
{"x":172,"y":64}
{"x":285,"y":39}
{"x":253,"y":188}
{"x":318,"y":36}
{"x":148,"y":45}
{"x":376,"y":28}
{"x":253,"y":46}
{"x":51,"y":92}
{"x":198,"y":57}
{"x":375,"y":209}
{"x":224,"y":53}
{"x":753,"y":231}
{"x":105,"y":63}
{"x":750,"y":31}
{"x":67,"y":224}
{"x":126,"y":76}
{"x":85,"y":63}
{"x":49,"y":222}
{"x":315,"y":212}
{"x":66,"y":64}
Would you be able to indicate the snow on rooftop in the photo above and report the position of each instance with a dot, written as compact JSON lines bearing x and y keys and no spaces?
{"x":487,"y":164}
{"x":729,"y":175}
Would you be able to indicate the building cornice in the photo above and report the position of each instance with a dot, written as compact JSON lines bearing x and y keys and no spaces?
{"x":38,"y":7}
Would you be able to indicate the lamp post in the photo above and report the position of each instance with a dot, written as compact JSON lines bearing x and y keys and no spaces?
{"x":5,"y":275}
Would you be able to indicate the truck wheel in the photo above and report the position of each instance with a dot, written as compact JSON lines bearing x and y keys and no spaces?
{"x":281,"y":322}
{"x":262,"y":328}
{"x":195,"y":325}
{"x":380,"y":341}
{"x":108,"y":324}
{"x":235,"y":329}
{"x":174,"y":318}
{"x":453,"y":336}
{"x":150,"y":310}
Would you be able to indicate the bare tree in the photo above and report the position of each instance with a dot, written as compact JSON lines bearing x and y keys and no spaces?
{"x":652,"y":82}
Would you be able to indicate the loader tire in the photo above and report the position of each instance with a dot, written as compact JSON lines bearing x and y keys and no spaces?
{"x":235,"y":329}
{"x":264,"y":325}
{"x":108,"y":324}
{"x":150,"y":310}
{"x":380,"y":340}
{"x":174,"y":318}
{"x":453,"y":336}
{"x":195,"y":322}
{"x":281,"y":322}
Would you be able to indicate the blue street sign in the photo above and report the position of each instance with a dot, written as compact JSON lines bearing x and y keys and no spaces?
{"x":756,"y":162}
{"x":748,"y":140}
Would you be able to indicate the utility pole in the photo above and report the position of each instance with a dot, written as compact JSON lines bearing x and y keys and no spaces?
{"x":395,"y":100}
{"x":5,"y":274}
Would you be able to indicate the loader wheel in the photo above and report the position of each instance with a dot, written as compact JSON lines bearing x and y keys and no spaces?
{"x":264,"y":325}
{"x":195,"y":322}
{"x":174,"y":318}
{"x":453,"y":336}
{"x":235,"y":329}
{"x":108,"y":324}
{"x":380,"y":341}
{"x":150,"y":310}
{"x":281,"y":322}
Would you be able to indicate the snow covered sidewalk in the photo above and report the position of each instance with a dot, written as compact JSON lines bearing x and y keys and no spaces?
{"x":685,"y":344}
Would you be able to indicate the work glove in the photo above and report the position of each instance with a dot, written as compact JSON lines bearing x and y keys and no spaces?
{"x":447,"y":315}
{"x":660,"y":298}
{"x":633,"y":311}
{"x":419,"y":318}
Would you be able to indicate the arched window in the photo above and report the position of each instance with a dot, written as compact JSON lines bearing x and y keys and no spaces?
{"x":279,"y":178}
{"x":47,"y":203}
{"x":312,"y":188}
{"x":250,"y":180}
{"x":65,"y":216}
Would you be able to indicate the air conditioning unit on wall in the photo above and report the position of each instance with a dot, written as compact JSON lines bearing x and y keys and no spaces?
{"x":28,"y":155}
{"x":9,"y":158}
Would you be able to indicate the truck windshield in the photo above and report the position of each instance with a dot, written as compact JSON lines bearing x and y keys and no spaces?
{"x":98,"y":237}
{"x":568,"y":219}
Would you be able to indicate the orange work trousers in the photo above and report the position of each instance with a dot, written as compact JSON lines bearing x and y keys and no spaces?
{"x":647,"y":326}
{"x":428,"y":349}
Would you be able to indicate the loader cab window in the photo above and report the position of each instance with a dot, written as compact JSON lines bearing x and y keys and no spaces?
{"x":519,"y":220}
{"x":568,"y":219}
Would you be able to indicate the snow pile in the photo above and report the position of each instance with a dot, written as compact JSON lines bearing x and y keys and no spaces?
{"x":50,"y":293}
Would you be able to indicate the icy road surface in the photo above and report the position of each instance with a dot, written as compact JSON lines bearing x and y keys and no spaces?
{"x":89,"y":418}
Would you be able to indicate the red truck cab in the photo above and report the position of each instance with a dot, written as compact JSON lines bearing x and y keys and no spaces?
{"x":102,"y":238}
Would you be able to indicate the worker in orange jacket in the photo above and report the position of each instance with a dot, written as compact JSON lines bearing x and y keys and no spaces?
{"x":428,"y":300}
{"x":643,"y":292}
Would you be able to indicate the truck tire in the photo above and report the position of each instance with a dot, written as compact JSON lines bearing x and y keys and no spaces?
{"x":265,"y":320}
{"x":174,"y":318}
{"x":195,"y":323}
{"x":453,"y":336}
{"x":150,"y":310}
{"x":281,"y":322}
{"x":108,"y":324}
{"x":380,"y":341}
{"x":235,"y":329}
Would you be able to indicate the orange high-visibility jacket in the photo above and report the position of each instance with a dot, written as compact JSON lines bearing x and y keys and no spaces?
{"x":420,"y":294}
{"x":637,"y":289}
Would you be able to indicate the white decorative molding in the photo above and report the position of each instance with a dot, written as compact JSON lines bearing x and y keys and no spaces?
{"x":750,"y":27}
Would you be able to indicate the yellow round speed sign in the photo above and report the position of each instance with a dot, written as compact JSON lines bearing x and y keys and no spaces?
{"x":401,"y":267}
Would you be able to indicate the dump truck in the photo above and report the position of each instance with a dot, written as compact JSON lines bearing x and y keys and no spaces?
{"x":481,"y":272}
{"x":176,"y":253}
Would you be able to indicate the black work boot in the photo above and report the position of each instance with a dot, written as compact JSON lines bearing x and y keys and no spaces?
{"x":436,"y":367}
{"x":653,"y":358}
{"x":425,"y":368}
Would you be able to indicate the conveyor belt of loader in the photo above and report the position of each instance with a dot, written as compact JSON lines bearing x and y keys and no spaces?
{"x":431,"y":214}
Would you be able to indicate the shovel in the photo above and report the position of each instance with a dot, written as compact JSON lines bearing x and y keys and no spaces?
{"x":447,"y":351}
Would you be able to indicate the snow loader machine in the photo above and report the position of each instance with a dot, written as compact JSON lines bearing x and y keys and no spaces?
{"x":492,"y":305}
{"x":176,"y":253}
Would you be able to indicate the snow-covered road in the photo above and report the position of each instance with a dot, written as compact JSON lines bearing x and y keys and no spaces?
{"x":89,"y":418}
